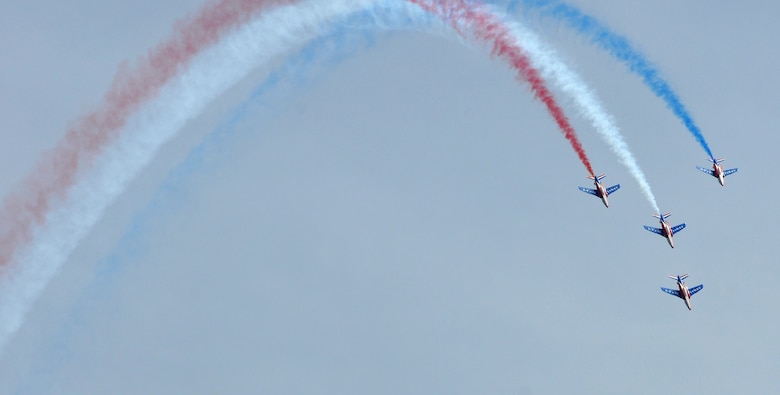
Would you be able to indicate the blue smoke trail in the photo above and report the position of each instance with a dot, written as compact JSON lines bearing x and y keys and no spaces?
{"x":620,"y":48}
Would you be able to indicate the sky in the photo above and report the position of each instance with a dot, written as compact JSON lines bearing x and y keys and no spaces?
{"x":407,"y":220}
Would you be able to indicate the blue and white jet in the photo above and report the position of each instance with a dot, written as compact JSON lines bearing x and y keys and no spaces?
{"x":600,"y":191}
{"x":665,"y":230}
{"x":682,"y":290}
{"x":717,"y":171}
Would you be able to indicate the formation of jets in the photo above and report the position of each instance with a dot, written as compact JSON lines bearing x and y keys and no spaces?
{"x":666,"y":230}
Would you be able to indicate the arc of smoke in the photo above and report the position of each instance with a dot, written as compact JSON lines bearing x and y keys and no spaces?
{"x":620,"y":48}
{"x":154,"y":122}
{"x":162,"y":203}
{"x":467,"y":16}
{"x":331,"y":47}
{"x":144,"y":123}
{"x":167,"y":198}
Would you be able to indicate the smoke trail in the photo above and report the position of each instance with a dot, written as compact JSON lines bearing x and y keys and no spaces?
{"x":28,"y":206}
{"x":557,"y":72}
{"x":551,"y":68}
{"x":131,"y":243}
{"x":390,"y":15}
{"x":254,"y":43}
{"x":490,"y":30}
{"x":620,"y":48}
{"x":328,"y":49}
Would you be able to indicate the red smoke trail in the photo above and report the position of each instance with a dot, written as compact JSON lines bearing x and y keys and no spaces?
{"x":493,"y":32}
{"x":56,"y":171}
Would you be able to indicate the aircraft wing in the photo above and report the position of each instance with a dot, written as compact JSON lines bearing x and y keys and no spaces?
{"x":671,"y":292}
{"x":729,"y":171}
{"x":678,"y":228}
{"x":706,"y":170}
{"x":654,"y":230}
{"x":695,"y":289}
{"x":590,"y":191}
{"x":613,"y":189}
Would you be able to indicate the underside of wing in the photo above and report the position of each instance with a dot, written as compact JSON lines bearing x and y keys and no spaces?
{"x":706,"y":170}
{"x":590,"y":191}
{"x":671,"y":292}
{"x":654,"y":230}
{"x":678,"y":228}
{"x":696,"y":289}
{"x":730,"y":171}
{"x":613,"y":188}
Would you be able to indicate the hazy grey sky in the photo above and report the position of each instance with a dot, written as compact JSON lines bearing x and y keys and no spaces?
{"x":410,"y":222}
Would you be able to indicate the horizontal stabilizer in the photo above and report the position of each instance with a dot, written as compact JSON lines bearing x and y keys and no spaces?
{"x":662,"y":216}
{"x":730,"y":171}
{"x":597,"y":178}
{"x":678,"y":228}
{"x":716,"y":160}
{"x":696,"y":289}
{"x":654,"y":230}
{"x":672,"y":292}
{"x":708,"y":171}
{"x":590,"y":191}
{"x":682,"y":276}
{"x":613,"y":189}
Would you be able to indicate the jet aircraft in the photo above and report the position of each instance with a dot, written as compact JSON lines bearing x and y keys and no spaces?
{"x":682,"y":290}
{"x":717,"y":171}
{"x":665,"y":230}
{"x":600,"y":191}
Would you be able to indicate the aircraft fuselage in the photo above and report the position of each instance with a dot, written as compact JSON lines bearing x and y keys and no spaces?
{"x":667,"y":232}
{"x":602,"y":193}
{"x":719,"y":174}
{"x":685,"y":294}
